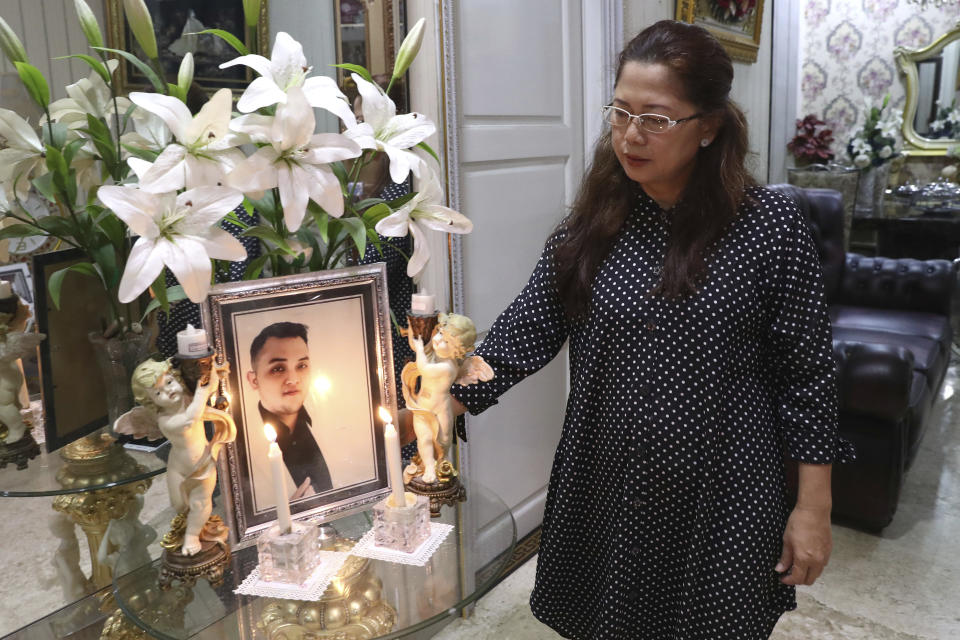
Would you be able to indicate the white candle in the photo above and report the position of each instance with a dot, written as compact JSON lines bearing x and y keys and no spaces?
{"x":279,"y":474}
{"x":192,"y":341}
{"x":5,"y":289}
{"x":391,"y":442}
{"x":423,"y":304}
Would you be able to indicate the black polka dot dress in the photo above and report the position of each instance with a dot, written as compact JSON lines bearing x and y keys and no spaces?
{"x":666,"y":505}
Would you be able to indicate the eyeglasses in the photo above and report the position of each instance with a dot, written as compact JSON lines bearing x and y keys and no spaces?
{"x":652,"y":122}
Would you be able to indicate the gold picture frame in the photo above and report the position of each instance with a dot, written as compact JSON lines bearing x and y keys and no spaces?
{"x":170,"y":26}
{"x":741,"y":38}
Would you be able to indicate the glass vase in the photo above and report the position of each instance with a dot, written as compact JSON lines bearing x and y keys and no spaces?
{"x":870,"y":189}
{"x":116,"y":359}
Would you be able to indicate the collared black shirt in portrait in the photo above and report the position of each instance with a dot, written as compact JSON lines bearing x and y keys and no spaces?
{"x":301,"y":454}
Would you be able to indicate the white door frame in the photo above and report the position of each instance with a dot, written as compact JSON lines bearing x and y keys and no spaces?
{"x":784,"y":85}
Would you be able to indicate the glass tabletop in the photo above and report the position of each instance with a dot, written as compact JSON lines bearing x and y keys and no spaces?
{"x":88,"y":464}
{"x":368,"y":598}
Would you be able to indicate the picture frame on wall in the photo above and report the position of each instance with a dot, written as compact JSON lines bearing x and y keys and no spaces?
{"x":176,"y":24}
{"x":310,"y":355}
{"x":735,"y":23}
{"x":72,"y":389}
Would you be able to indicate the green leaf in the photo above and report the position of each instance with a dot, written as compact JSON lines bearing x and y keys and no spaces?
{"x":229,"y":38}
{"x":269,"y":234}
{"x":429,"y":149}
{"x":55,"y":282}
{"x":144,"y":68}
{"x":375,"y":214}
{"x":35,"y":83}
{"x":267,"y":206}
{"x":20,"y":231}
{"x":113,"y":228}
{"x":248,"y":206}
{"x":339,"y":171}
{"x":367,"y":202}
{"x":255,"y":268}
{"x":144,"y":154}
{"x":159,"y":289}
{"x":357,"y":231}
{"x":174,"y":294}
{"x":57,"y":227}
{"x":59,"y":138}
{"x":396,"y":203}
{"x":322,"y":220}
{"x":44,"y":185}
{"x":356,"y":68}
{"x":106,"y":259}
{"x":70,"y":151}
{"x":178,"y":93}
{"x":95,"y":64}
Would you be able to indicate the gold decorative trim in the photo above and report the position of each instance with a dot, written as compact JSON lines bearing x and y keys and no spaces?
{"x":907,"y":62}
{"x":741,"y":48}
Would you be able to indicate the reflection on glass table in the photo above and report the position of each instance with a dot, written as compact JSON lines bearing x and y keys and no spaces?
{"x":367,"y":599}
{"x":94,"y":481}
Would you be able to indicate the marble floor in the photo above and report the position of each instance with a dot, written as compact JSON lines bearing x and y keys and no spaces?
{"x":901,"y":585}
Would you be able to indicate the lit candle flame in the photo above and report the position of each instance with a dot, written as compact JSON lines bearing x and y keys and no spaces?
{"x":385,"y":416}
{"x":270,"y":432}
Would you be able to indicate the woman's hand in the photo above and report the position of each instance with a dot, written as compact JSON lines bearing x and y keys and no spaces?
{"x":807,"y":543}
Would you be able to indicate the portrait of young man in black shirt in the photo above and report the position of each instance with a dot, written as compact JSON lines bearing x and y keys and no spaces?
{"x":280,"y":361}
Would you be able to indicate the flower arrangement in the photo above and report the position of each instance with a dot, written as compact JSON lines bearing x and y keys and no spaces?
{"x":140,"y":182}
{"x":810,"y":145}
{"x":947,"y":122}
{"x":878,"y":140}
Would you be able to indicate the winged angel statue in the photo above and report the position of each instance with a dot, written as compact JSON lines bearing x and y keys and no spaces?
{"x":14,"y":344}
{"x":168,"y":408}
{"x":439,"y":364}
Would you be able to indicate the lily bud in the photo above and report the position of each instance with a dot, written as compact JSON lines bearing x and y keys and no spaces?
{"x":409,"y":49}
{"x":141,"y":25}
{"x":251,"y":12}
{"x":185,"y":74}
{"x":10,"y":44}
{"x":88,"y":23}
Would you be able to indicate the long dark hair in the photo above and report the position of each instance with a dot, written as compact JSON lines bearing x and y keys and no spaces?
{"x":710,"y":201}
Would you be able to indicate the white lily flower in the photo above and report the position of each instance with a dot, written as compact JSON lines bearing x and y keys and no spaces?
{"x":287,"y":68}
{"x":294,"y":159}
{"x":860,"y":146}
{"x":179,"y":231}
{"x":206,"y":152}
{"x":382,"y":129}
{"x":89,"y":95}
{"x":149,"y":131}
{"x":22,"y":158}
{"x":861,"y":161}
{"x":885,"y":152}
{"x":421,"y":213}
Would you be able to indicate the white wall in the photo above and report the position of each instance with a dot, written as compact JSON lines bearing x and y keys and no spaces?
{"x":751,"y":82}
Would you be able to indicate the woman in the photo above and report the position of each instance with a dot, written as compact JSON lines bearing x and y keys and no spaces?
{"x":700,"y":355}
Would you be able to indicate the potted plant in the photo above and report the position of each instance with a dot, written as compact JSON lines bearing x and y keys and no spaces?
{"x":871,"y":149}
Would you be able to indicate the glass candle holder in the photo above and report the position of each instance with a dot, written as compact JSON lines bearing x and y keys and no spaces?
{"x":402,"y":528}
{"x":288,"y":557}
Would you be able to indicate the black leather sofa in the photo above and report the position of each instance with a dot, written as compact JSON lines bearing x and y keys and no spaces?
{"x":892,"y":341}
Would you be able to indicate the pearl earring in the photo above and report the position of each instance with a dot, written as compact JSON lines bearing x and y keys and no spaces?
{"x":704,"y":142}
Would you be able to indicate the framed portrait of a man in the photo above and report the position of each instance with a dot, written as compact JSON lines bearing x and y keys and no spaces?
{"x":310,"y":356}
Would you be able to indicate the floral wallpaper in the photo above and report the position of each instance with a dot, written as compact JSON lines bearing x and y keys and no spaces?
{"x":847,"y":56}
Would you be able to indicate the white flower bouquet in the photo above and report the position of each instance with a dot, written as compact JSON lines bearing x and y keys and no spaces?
{"x":878,"y":141}
{"x":140,"y":182}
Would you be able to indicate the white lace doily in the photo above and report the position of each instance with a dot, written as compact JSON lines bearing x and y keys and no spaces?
{"x":419,"y":557}
{"x":311,"y":590}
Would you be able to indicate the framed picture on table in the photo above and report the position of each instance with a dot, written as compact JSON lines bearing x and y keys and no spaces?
{"x":735,"y":23}
{"x":309,"y":355}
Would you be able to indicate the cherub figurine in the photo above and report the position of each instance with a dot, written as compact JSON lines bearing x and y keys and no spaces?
{"x":14,"y":344}
{"x":179,"y":415}
{"x":438,"y":368}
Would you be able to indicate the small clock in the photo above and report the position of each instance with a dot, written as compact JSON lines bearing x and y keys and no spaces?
{"x":37,"y":208}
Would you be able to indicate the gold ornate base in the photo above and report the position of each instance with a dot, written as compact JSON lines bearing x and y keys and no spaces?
{"x":352,"y":608}
{"x":19,"y":452}
{"x":447,"y":490}
{"x":209,"y":563}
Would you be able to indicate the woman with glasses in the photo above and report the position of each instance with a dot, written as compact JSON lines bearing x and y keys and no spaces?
{"x":700,"y":361}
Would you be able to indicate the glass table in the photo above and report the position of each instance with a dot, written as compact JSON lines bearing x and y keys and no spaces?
{"x":93,"y":481}
{"x":367,"y":599}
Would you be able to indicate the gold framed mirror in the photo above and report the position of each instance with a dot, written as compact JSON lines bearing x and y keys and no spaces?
{"x":932,"y":77}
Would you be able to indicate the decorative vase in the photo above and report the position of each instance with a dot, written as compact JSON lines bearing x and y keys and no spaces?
{"x":870,"y":188}
{"x":830,"y":176}
{"x":116,"y":359}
